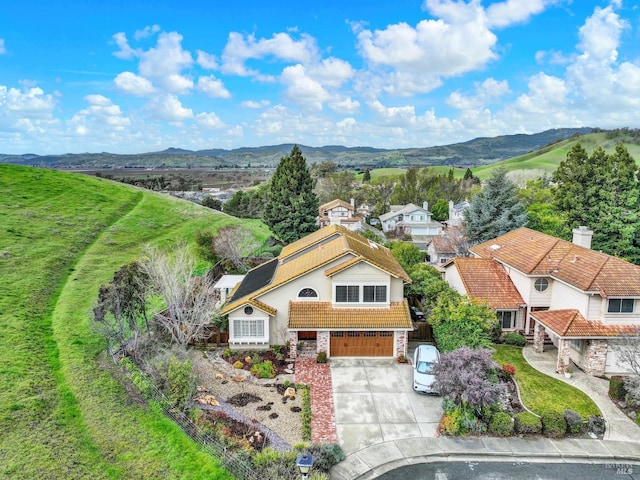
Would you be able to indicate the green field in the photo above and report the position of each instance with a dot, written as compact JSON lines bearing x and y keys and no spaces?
{"x":62,"y":414}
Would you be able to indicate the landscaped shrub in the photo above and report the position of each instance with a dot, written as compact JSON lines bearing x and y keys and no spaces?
{"x":461,"y":421}
{"x":180,"y":382}
{"x":501,"y":425}
{"x":515,"y":339}
{"x":325,"y":455}
{"x":553,"y":424}
{"x":509,"y":369}
{"x":264,"y":369}
{"x":574,"y":421}
{"x":238,"y":364}
{"x":526,"y":423}
{"x":322,"y":357}
{"x":616,"y":387}
{"x":596,"y":424}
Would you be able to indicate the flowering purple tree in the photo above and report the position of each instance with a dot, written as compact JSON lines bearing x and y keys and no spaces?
{"x":468,"y":377}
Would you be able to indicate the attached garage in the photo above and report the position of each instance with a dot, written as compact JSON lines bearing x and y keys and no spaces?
{"x":361,"y":344}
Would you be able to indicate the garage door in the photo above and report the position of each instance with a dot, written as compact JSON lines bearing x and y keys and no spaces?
{"x":361,"y":344}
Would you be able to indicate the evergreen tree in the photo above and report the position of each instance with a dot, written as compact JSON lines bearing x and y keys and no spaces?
{"x":292,"y":206}
{"x":495,"y":210}
{"x":601,"y":191}
{"x":440,"y":210}
{"x":367,"y":176}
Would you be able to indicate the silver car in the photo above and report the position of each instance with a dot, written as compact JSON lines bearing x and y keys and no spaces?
{"x":424,"y":359}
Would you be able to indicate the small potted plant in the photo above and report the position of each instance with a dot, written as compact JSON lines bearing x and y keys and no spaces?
{"x":568,"y":372}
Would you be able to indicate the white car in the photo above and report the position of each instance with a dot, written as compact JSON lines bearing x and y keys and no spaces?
{"x":424,"y":359}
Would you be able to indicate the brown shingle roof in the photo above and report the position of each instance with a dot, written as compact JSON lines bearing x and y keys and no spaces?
{"x":443,"y":244}
{"x":317,"y":249}
{"x":535,"y":253}
{"x":323,"y":315}
{"x":570,"y":323}
{"x":336,"y":203}
{"x":485,"y":279}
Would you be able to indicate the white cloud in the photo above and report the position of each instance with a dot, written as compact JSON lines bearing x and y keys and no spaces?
{"x":164,"y":63}
{"x":206,"y":60}
{"x":403,"y":116}
{"x":31,"y":102}
{"x":209,"y":121}
{"x":510,"y":12}
{"x":3,"y":49}
{"x":281,"y":46}
{"x":212,"y":87}
{"x":101,"y":117}
{"x":331,"y":72}
{"x":345,"y":106}
{"x":146,"y":32}
{"x":302,"y":89}
{"x":254,"y":104}
{"x":125,"y":52}
{"x":484,"y":93}
{"x":168,"y":107}
{"x":128,"y":82}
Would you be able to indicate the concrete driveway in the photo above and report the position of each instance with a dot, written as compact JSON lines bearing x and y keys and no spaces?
{"x":375,"y":402}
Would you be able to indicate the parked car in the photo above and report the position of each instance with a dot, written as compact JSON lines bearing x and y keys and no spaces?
{"x":417,"y":315}
{"x":424,"y":359}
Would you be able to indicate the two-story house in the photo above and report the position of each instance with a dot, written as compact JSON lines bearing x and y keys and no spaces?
{"x":332,"y":286}
{"x":341,"y":213}
{"x":410,"y":220}
{"x":583,"y":299}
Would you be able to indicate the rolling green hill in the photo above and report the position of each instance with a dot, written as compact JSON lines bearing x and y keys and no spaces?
{"x":62,"y":414}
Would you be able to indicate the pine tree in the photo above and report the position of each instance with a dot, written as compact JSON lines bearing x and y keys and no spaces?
{"x":495,"y":210}
{"x":601,"y":191}
{"x":292,"y":206}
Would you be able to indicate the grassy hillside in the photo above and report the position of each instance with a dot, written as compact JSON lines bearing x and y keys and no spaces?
{"x":548,"y":158}
{"x":62,"y":415}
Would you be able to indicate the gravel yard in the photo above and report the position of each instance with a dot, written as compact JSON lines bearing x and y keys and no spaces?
{"x":279,"y":414}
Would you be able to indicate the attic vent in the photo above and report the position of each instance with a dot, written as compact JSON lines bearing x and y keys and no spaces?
{"x":373,"y":244}
{"x":494,"y":247}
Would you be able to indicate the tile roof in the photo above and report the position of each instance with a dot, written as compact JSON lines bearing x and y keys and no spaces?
{"x":313,"y":251}
{"x":570,"y":323}
{"x":535,"y":253}
{"x":486,"y":279}
{"x":336,"y":203}
{"x":324,"y":315}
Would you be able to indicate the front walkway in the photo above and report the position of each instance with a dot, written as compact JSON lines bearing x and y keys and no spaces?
{"x":619,"y":426}
{"x":318,"y":377}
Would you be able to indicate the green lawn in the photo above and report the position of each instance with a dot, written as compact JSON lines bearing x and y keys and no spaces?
{"x":62,"y":415}
{"x":541,"y":392}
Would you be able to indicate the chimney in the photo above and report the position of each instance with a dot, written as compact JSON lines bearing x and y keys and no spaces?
{"x":582,"y":236}
{"x":425,"y":205}
{"x":353,"y":202}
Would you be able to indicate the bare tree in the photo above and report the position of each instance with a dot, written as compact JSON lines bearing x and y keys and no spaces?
{"x":234,"y":244}
{"x":189,"y":298}
{"x":628,"y":353}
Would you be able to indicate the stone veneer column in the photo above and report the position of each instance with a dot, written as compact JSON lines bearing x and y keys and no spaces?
{"x":401,"y":343}
{"x":538,"y":337}
{"x":293,"y":343}
{"x":322,"y":342}
{"x":595,"y":357}
{"x":564,"y":357}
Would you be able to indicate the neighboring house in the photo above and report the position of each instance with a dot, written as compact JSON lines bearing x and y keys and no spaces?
{"x":332,"y":286}
{"x":456,"y":213}
{"x":411,"y":220}
{"x":339,"y":212}
{"x":450,"y":244}
{"x":225,"y":285}
{"x":583,"y":299}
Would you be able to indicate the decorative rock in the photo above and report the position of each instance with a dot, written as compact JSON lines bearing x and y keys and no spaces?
{"x":219,"y":376}
{"x":290,"y":392}
{"x":247,"y":359}
{"x":288,"y":370}
{"x":290,"y":366}
{"x":238,"y":379}
{"x":202,"y":388}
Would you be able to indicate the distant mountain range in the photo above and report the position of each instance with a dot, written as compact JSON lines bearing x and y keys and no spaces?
{"x":473,"y":153}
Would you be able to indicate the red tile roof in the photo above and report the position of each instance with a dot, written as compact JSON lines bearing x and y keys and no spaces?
{"x":535,"y":253}
{"x":570,"y":323}
{"x":486,"y":279}
{"x":323,"y":315}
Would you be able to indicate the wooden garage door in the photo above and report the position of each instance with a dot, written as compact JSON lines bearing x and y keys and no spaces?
{"x":361,"y":344}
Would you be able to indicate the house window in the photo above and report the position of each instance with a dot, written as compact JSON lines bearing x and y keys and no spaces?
{"x":248,"y":328}
{"x":347,"y":293}
{"x":248,"y":311}
{"x":541,"y":284}
{"x":507,"y":319}
{"x":374,"y":293}
{"x":307,"y":293}
{"x":620,"y":305}
{"x":576,"y":344}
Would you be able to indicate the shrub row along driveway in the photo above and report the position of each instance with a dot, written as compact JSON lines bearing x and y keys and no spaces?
{"x":375,"y":403}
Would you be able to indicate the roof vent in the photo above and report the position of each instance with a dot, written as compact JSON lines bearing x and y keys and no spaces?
{"x":494,"y":247}
{"x":373,"y":244}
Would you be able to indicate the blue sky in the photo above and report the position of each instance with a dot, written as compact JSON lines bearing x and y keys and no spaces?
{"x":129,"y":76}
